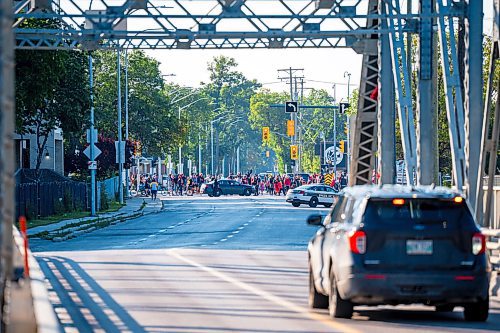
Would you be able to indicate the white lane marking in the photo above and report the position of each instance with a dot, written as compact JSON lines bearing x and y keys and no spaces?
{"x":265,"y":295}
{"x":143,"y":239}
{"x":245,"y":224}
{"x":235,"y":232}
{"x":150,"y":236}
{"x":230,"y":236}
{"x":241,"y":228}
{"x":223,"y":240}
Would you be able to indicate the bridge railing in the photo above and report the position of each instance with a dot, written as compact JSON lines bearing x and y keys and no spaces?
{"x":493,"y":246}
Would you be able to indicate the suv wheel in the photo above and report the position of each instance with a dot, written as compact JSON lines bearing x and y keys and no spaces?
{"x":313,"y":202}
{"x":316,"y":300}
{"x":327,"y":205}
{"x":218,"y":193}
{"x":247,"y":192}
{"x":296,"y":204}
{"x":477,"y":311}
{"x":338,"y":307}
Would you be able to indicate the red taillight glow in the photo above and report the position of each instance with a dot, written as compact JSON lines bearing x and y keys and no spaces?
{"x":357,"y":242}
{"x":375,"y":277}
{"x":464,"y":278}
{"x":478,"y":243}
{"x":458,"y":199}
{"x":398,"y":202}
{"x":302,"y":192}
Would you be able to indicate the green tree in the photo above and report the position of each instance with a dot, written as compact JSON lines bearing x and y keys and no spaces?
{"x":51,"y":91}
{"x":229,"y":92}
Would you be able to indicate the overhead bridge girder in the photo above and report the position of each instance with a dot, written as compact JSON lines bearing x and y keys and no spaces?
{"x":210,"y":24}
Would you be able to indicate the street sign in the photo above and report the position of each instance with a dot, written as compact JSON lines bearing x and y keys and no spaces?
{"x":290,"y":128}
{"x":334,"y":154}
{"x":94,"y":136}
{"x":122,"y":151}
{"x":97,"y":152}
{"x":92,"y":165}
{"x":343,"y":106}
{"x":291,"y":107}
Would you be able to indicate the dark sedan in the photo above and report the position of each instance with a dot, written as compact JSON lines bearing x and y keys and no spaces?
{"x":226,"y":186}
{"x":399,"y":245}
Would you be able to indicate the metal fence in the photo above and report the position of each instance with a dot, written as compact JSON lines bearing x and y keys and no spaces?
{"x":107,"y":186}
{"x":35,"y":200}
{"x":496,"y":181}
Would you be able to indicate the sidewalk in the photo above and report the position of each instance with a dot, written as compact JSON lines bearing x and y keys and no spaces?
{"x":134,"y":206}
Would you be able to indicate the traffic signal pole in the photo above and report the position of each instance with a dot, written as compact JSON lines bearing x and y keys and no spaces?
{"x":120,"y":164}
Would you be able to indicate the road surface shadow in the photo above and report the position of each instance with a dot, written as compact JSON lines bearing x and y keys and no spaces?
{"x":80,"y":303}
{"x":430,"y":318}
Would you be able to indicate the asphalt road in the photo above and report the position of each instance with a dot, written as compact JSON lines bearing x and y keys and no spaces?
{"x":230,"y":264}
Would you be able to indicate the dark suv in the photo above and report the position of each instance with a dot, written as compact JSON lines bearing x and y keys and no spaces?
{"x":399,"y":245}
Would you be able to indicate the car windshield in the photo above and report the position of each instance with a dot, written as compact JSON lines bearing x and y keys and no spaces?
{"x":418,"y":211}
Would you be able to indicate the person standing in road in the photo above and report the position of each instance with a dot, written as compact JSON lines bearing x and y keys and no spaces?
{"x":154,"y":189}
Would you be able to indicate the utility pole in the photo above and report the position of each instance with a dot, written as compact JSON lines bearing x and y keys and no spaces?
{"x":120,"y":164}
{"x":92,"y":143}
{"x":126,"y":121}
{"x":290,"y":76}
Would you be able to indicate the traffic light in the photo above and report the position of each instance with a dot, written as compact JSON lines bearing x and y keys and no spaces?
{"x":341,"y":146}
{"x":267,"y":153}
{"x":294,"y":152}
{"x":129,"y":153}
{"x":265,"y":134}
{"x":346,"y":128}
{"x":290,"y":128}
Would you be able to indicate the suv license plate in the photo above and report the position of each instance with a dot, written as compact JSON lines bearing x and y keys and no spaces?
{"x":419,"y":247}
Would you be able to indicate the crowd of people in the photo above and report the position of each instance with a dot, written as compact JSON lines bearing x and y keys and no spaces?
{"x":271,"y":184}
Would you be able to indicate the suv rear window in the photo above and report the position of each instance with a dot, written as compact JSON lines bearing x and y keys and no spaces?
{"x":418,"y":211}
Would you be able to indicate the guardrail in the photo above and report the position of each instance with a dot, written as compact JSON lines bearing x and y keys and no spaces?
{"x":493,"y":246}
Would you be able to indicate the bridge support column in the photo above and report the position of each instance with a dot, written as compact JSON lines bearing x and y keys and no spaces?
{"x":473,"y":95}
{"x":427,"y":143}
{"x":7,"y":115}
{"x":386,"y":110}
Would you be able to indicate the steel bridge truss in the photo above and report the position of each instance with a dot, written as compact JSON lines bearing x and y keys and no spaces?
{"x":356,"y":24}
{"x":197,"y":24}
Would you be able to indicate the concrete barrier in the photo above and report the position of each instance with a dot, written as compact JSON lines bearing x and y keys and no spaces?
{"x":30,"y":309}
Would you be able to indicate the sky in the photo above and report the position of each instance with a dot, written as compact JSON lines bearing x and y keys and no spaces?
{"x":322,"y":67}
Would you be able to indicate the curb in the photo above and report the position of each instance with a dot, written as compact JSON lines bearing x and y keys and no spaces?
{"x":70,"y":233}
{"x":95,"y":224}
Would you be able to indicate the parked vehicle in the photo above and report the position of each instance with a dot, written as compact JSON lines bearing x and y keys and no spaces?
{"x":399,"y":245}
{"x":226,"y":186}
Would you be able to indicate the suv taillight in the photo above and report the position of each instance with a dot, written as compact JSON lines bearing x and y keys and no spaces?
{"x":357,"y":242}
{"x":478,"y":243}
{"x":302,"y":192}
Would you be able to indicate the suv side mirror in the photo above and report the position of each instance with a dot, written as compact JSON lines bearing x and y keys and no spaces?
{"x":315,"y":220}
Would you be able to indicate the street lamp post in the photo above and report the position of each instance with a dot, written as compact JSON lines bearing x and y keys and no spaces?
{"x":181,"y":167}
{"x":346,"y":73}
{"x":127,"y":194}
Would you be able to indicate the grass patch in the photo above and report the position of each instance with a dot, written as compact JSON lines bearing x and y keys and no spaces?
{"x":56,"y":218}
{"x":113,"y":207}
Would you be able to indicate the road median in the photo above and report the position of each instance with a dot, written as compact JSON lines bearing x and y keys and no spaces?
{"x":68,"y":229}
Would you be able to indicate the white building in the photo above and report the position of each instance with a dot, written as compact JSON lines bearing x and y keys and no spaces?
{"x":52,"y":156}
